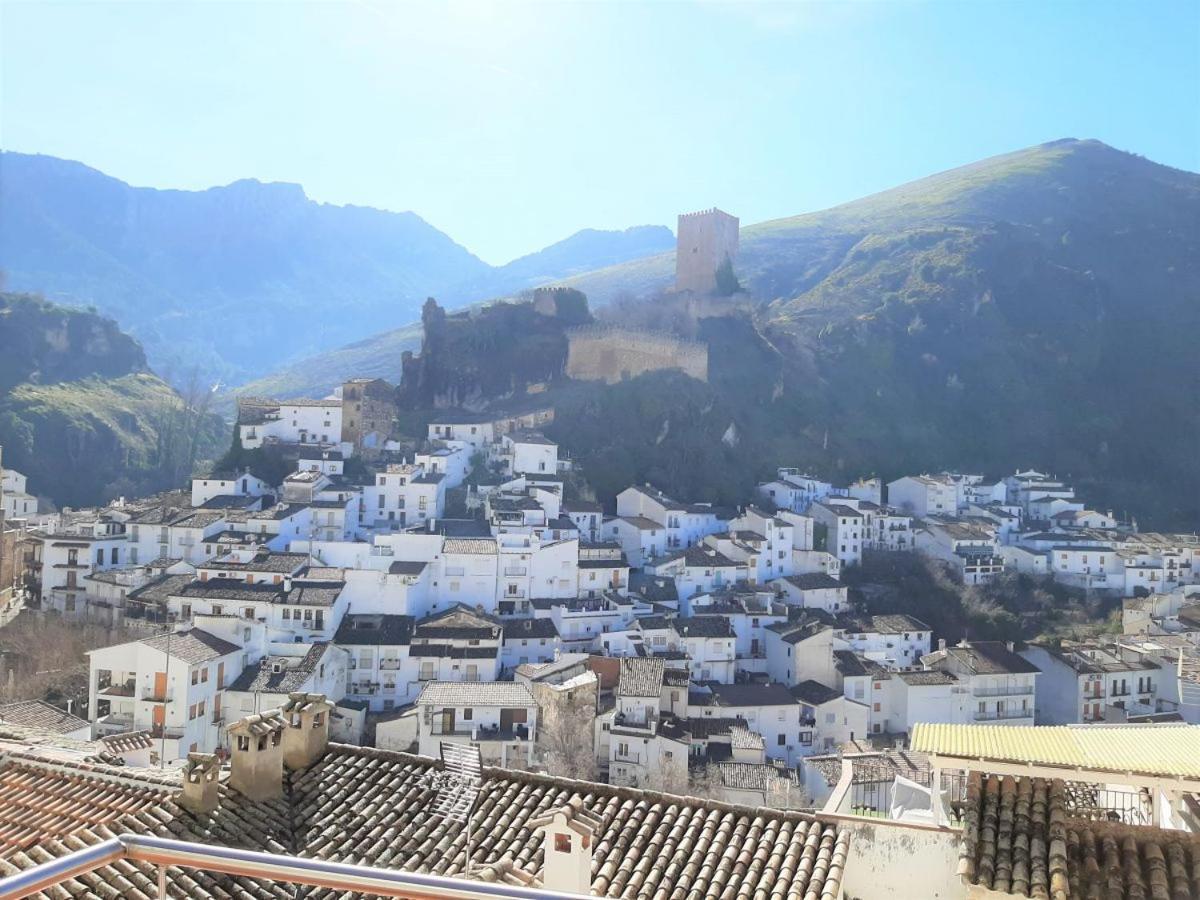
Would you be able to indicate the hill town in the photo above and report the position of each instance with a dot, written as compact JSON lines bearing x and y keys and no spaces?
{"x":469,"y":589}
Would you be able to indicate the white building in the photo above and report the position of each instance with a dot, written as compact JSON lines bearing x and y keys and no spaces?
{"x":1093,"y":682}
{"x":795,"y":491}
{"x":845,"y":530}
{"x":1002,"y":683}
{"x":170,"y":685}
{"x":17,"y":502}
{"x":924,"y":495}
{"x":499,"y":718}
{"x":299,"y":421}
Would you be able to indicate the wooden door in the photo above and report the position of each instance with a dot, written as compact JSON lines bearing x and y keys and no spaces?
{"x":160,"y":717}
{"x":160,"y":685}
{"x":220,"y":677}
{"x":447,"y":721}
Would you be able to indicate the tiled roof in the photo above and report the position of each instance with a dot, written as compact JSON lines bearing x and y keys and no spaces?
{"x":640,"y":677}
{"x":517,"y":629}
{"x":293,"y":673}
{"x":475,"y":693}
{"x":374,"y":628}
{"x":751,"y":695}
{"x":814,"y":693}
{"x":461,"y":623}
{"x":748,"y":776}
{"x":469,"y":545}
{"x":1019,"y":838}
{"x":812,"y":581}
{"x":704,"y":627}
{"x":194,"y":646}
{"x":1160,"y":750}
{"x":992,"y":658}
{"x":40,"y":804}
{"x":41,"y":715}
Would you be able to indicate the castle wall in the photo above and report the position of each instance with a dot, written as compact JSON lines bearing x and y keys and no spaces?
{"x":617,"y":354}
{"x":703,"y":241}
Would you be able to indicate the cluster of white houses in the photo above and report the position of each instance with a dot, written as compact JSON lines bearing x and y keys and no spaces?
{"x":691,"y":633}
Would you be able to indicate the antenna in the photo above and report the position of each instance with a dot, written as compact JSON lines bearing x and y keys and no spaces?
{"x":457,"y":785}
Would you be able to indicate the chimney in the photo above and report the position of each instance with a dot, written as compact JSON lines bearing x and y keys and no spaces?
{"x":941,"y":643}
{"x":200,"y":778}
{"x":306,"y":737}
{"x":568,"y":833}
{"x":256,"y":754}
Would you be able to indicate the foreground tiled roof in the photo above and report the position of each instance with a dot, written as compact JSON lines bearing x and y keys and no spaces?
{"x":372,"y":807}
{"x":40,"y":714}
{"x":1020,"y":838}
{"x":1167,"y":750}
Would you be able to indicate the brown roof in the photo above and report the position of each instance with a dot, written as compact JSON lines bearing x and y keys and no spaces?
{"x":372,"y":807}
{"x":1020,"y":837}
{"x":40,"y":714}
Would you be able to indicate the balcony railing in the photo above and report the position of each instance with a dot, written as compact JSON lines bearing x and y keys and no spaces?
{"x":1009,"y":691}
{"x":994,"y":714}
{"x":389,"y":665}
{"x":153,"y":696}
{"x":341,"y":878}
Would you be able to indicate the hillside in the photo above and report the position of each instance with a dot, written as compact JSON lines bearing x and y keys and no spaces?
{"x":1039,"y":308}
{"x":236,"y":281}
{"x":83,"y":417}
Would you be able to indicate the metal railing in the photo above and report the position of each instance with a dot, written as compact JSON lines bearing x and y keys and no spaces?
{"x":164,"y":853}
{"x":1015,"y":690}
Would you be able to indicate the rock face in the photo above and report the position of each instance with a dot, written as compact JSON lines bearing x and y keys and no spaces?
{"x":80,"y":414}
{"x":500,"y":352}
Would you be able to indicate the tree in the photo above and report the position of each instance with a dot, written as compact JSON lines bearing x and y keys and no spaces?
{"x":567,"y":733}
{"x":727,"y":281}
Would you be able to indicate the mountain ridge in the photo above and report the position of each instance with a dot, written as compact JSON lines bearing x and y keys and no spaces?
{"x":180,"y":267}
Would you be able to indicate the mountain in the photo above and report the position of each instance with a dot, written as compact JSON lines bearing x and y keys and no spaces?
{"x":1038,"y":308}
{"x":83,"y":417}
{"x":236,"y":281}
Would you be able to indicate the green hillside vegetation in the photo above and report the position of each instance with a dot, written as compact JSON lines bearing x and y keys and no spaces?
{"x":82,"y":418}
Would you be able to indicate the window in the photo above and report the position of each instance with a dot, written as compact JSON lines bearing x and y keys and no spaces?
{"x":781,"y":740}
{"x":195,"y":676}
{"x":468,"y":714}
{"x":204,"y":675}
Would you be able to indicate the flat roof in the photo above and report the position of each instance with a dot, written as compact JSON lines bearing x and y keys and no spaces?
{"x":1163,"y":750}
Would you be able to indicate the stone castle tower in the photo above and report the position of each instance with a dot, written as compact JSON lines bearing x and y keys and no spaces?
{"x":704,"y":240}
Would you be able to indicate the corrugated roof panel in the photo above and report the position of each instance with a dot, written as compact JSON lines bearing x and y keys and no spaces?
{"x":1170,"y":750}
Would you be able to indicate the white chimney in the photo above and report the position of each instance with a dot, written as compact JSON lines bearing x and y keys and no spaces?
{"x":568,"y":836}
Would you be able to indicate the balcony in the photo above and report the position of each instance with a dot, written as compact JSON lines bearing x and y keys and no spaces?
{"x":389,"y":665}
{"x":1003,"y":715}
{"x":152,"y":696}
{"x":115,"y":723}
{"x":516,"y":571}
{"x":492,"y":733}
{"x":1007,"y":691}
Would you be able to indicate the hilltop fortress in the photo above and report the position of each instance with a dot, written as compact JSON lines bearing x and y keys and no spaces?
{"x":613,"y":354}
{"x":704,"y":242}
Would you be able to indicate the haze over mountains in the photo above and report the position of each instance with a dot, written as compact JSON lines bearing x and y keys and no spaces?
{"x":235,"y":280}
{"x":1037,"y":308}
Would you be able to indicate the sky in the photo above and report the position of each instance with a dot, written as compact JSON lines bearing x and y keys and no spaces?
{"x":512,"y":125}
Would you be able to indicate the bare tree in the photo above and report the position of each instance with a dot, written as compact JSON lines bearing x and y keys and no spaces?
{"x":566,"y":736}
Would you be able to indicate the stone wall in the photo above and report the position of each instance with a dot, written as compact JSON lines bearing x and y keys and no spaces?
{"x":703,"y":241}
{"x":616,"y":354}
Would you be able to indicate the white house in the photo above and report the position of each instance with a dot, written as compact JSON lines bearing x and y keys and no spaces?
{"x":1002,"y":683}
{"x":924,"y":495}
{"x":795,"y":491}
{"x":500,"y":718}
{"x":1093,"y":682}
{"x":814,"y":590}
{"x":170,"y":685}
{"x":845,"y":530}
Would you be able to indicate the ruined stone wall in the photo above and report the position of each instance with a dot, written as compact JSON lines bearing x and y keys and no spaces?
{"x":616,"y":354}
{"x":703,"y":241}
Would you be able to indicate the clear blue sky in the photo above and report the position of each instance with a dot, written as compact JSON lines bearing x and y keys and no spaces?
{"x":511,"y":126}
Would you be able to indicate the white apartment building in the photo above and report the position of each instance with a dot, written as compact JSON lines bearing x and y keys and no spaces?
{"x":1003,"y":684}
{"x":299,"y":421}
{"x":170,"y":685}
{"x":924,"y":495}
{"x":814,"y":590}
{"x":1093,"y":682}
{"x":71,"y":556}
{"x":792,"y":490}
{"x":206,"y":488}
{"x":845,"y":530}
{"x":17,"y":502}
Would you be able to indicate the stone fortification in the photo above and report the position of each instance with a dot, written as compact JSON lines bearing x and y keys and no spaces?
{"x":610,"y":354}
{"x":704,"y":241}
